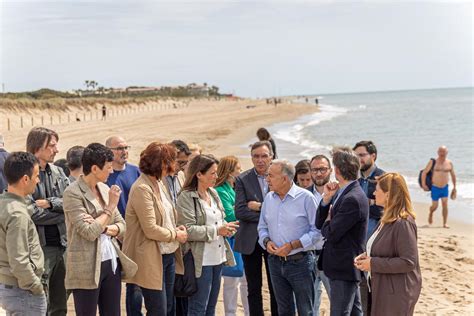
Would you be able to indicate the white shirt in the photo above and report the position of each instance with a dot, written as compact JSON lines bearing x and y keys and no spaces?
{"x":169,"y":223}
{"x":370,"y":242}
{"x":108,"y":251}
{"x":214,"y":250}
{"x":319,"y":197}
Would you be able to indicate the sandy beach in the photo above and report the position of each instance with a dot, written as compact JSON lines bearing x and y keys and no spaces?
{"x":223,"y":128}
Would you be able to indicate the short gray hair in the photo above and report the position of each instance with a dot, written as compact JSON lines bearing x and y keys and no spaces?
{"x":286,"y":168}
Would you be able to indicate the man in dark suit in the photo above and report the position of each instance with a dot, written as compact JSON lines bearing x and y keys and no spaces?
{"x":342,"y":217}
{"x":250,"y":190}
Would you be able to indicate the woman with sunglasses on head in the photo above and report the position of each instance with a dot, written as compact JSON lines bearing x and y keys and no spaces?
{"x":392,"y":259}
{"x":200,"y":210}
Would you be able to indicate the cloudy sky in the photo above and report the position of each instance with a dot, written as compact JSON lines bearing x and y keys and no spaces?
{"x":256,"y":48}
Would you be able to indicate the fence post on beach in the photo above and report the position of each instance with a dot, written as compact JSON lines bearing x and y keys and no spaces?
{"x":91,"y":115}
{"x":32,"y":121}
{"x":21,"y":121}
{"x":59,"y":117}
{"x":8,"y":123}
{"x":42,"y":120}
{"x":68,"y":118}
{"x":84,"y":117}
{"x":51,"y":119}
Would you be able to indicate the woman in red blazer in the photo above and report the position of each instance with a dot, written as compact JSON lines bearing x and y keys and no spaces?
{"x":391,"y":259}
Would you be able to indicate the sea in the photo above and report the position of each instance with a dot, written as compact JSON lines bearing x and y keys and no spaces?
{"x":406,"y":126}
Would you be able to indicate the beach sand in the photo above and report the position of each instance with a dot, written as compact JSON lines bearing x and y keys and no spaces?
{"x":224,"y":128}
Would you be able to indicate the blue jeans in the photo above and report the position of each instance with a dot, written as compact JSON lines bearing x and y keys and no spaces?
{"x":320,"y":278}
{"x":161,"y":303}
{"x":371,"y":225}
{"x":205,"y":300}
{"x":293,"y":278}
{"x":133,"y":300}
{"x":17,"y":301}
{"x":345,"y":298}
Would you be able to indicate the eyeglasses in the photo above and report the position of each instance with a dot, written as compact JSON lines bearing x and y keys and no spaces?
{"x":121,"y":148}
{"x":322,"y":170}
{"x":265,"y":156}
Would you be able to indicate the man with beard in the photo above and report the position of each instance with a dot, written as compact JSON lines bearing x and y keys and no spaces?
{"x":48,"y":216}
{"x":320,"y":174}
{"x":367,"y":153}
{"x":124,"y":175}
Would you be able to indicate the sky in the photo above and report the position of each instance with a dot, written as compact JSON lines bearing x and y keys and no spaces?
{"x":250,"y":48}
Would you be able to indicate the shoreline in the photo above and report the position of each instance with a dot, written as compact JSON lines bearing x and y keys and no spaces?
{"x":223,"y":127}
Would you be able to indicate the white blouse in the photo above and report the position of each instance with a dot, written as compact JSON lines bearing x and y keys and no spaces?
{"x":214,"y":250}
{"x":370,"y":242}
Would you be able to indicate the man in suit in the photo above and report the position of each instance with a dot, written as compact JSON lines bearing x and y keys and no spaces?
{"x":250,"y":190}
{"x":342,"y":217}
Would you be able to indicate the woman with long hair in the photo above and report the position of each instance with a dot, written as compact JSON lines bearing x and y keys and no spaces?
{"x":200,"y":210}
{"x":391,"y":259}
{"x":227,"y":170}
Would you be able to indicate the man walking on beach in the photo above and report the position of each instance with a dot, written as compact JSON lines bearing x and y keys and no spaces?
{"x":367,"y":153}
{"x":3,"y":157}
{"x":250,"y":190}
{"x":287,"y":231}
{"x":124,"y":175}
{"x":320,"y":174}
{"x":48,"y":215}
{"x":440,"y":183}
{"x":342,"y":217}
{"x":21,"y":257}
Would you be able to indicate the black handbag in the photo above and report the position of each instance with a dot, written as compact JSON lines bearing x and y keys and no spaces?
{"x":185,"y":285}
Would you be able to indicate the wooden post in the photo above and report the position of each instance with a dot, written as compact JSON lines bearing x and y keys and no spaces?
{"x":51,"y":119}
{"x":68,"y":118}
{"x":84,"y":117}
{"x":91,"y":115}
{"x":42,"y":120}
{"x":8,"y":123}
{"x":21,"y":121}
{"x":32,"y":121}
{"x":59,"y":117}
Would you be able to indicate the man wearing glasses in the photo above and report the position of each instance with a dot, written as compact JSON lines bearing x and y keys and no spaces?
{"x":320,"y":174}
{"x":250,"y":190}
{"x":124,"y":175}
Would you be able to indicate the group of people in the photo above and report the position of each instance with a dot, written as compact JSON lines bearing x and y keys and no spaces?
{"x":109,"y":221}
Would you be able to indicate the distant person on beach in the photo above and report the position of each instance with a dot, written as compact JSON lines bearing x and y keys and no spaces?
{"x":48,"y":215}
{"x":124,"y":175}
{"x":287,"y":231}
{"x":316,"y":101}
{"x":320,"y":175}
{"x":74,"y":162}
{"x":302,"y":174}
{"x":443,"y":168}
{"x":367,"y":153}
{"x":104,"y":112}
{"x":3,"y":157}
{"x":262,"y":135}
{"x":342,"y":218}
{"x":250,"y":190}
{"x":21,"y":257}
{"x":391,"y":259}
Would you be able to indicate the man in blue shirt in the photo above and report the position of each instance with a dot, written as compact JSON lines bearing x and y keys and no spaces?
{"x":124,"y":175}
{"x":287,"y":231}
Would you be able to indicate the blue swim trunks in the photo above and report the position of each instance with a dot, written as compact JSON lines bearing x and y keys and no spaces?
{"x":439,"y":193}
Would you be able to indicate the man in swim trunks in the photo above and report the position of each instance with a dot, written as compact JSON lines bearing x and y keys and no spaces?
{"x":440,"y":189}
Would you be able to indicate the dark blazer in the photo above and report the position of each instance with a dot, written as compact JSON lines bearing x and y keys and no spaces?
{"x":395,"y":269}
{"x":375,"y":211}
{"x":247,"y":189}
{"x":3,"y":180}
{"x":345,"y":233}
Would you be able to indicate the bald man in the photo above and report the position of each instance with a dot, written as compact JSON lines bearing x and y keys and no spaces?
{"x":124,"y":175}
{"x":443,"y":168}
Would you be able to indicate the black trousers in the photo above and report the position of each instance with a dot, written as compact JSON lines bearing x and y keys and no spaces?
{"x":253,"y":273}
{"x":107,"y":295}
